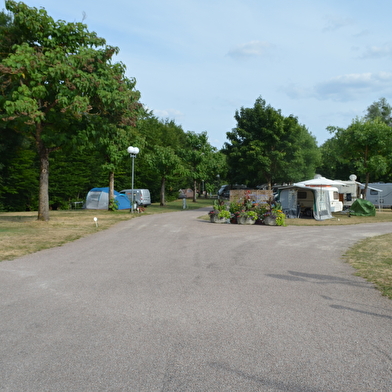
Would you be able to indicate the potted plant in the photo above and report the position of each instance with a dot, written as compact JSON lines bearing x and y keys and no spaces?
{"x":219,"y":214}
{"x":247,"y":217}
{"x":234,"y":208}
{"x":274,"y":216}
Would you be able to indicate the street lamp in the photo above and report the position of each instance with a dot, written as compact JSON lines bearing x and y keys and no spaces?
{"x":133,"y":151}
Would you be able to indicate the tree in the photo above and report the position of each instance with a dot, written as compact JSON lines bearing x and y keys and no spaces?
{"x":55,"y":82}
{"x":301,"y":153}
{"x":166,"y":163}
{"x":380,"y":109}
{"x":199,"y":155}
{"x":267,"y":147}
{"x":333,"y":164}
{"x":158,"y":135}
{"x":18,"y":172}
{"x":114,"y":114}
{"x":366,"y":143}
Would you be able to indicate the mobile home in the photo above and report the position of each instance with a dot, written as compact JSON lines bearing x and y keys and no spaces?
{"x":380,"y":194}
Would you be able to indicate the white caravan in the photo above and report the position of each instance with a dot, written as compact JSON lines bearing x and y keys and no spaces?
{"x":349,"y":191}
{"x":380,"y":194}
{"x":327,"y":186}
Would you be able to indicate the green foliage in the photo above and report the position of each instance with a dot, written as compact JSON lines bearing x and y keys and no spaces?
{"x":381,"y":110}
{"x":219,"y":205}
{"x":366,"y":144}
{"x":18,"y":172}
{"x":202,"y":160}
{"x":333,"y":164}
{"x":224,"y":214}
{"x":73,"y":174}
{"x":268,"y":147}
{"x":113,"y":205}
{"x":57,"y":83}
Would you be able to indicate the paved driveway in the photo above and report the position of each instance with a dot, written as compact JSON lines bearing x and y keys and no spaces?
{"x":172,"y":303}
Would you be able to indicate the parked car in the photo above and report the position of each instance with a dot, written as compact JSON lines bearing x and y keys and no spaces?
{"x":142,"y":197}
{"x":224,"y":191}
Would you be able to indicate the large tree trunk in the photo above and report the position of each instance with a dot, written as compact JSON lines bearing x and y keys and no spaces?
{"x":194,"y":190}
{"x":111,"y":187}
{"x":163,"y":181}
{"x":367,"y":175}
{"x":367,"y":179}
{"x":43,"y":206}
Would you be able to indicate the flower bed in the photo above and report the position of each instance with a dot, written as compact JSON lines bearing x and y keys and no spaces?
{"x":247,"y":211}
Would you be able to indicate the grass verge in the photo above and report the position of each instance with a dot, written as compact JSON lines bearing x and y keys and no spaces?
{"x":372,"y":259}
{"x":342,"y":218}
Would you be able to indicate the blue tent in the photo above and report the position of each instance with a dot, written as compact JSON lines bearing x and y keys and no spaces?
{"x":98,"y":199}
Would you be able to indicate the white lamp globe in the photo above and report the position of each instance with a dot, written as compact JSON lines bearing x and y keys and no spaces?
{"x":133,"y":150}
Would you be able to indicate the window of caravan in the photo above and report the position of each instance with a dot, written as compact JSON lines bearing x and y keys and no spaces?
{"x":336,"y":195}
{"x":373,"y":192}
{"x":301,"y":194}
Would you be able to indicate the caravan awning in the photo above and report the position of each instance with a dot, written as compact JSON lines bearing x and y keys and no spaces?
{"x":369,"y":187}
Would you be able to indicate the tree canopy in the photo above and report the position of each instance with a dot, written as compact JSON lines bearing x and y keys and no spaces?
{"x":56,"y":81}
{"x":268,"y":147}
{"x":366,"y":143}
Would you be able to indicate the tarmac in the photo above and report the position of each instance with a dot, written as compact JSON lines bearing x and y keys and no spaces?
{"x":171,"y":302}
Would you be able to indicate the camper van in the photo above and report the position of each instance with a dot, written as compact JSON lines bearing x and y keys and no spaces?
{"x":380,"y":194}
{"x":141,"y":196}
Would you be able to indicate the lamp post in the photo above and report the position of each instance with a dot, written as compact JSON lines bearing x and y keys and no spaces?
{"x":133,"y":151}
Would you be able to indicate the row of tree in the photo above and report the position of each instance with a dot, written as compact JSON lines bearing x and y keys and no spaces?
{"x":67,"y":109}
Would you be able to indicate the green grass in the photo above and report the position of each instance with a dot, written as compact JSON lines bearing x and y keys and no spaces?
{"x":372,"y":258}
{"x":177,"y":205}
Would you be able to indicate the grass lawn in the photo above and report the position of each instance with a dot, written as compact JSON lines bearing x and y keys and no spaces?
{"x":21,"y":234}
{"x":372,"y":258}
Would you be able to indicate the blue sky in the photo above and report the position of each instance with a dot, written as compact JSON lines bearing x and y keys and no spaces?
{"x":198,"y":61}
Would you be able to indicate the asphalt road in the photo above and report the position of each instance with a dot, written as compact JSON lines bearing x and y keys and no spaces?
{"x":173,"y":303}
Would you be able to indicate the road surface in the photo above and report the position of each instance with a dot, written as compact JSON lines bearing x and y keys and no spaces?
{"x":170,"y":302}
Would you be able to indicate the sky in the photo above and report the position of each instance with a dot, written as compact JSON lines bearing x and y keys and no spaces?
{"x":198,"y":61}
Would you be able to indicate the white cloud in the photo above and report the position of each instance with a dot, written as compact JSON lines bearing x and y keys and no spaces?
{"x":250,"y":49}
{"x":376,"y":52}
{"x":343,"y":88}
{"x":353,"y":86}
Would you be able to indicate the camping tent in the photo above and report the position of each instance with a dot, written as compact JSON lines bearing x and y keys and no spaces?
{"x":98,"y":199}
{"x":362,"y":207}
